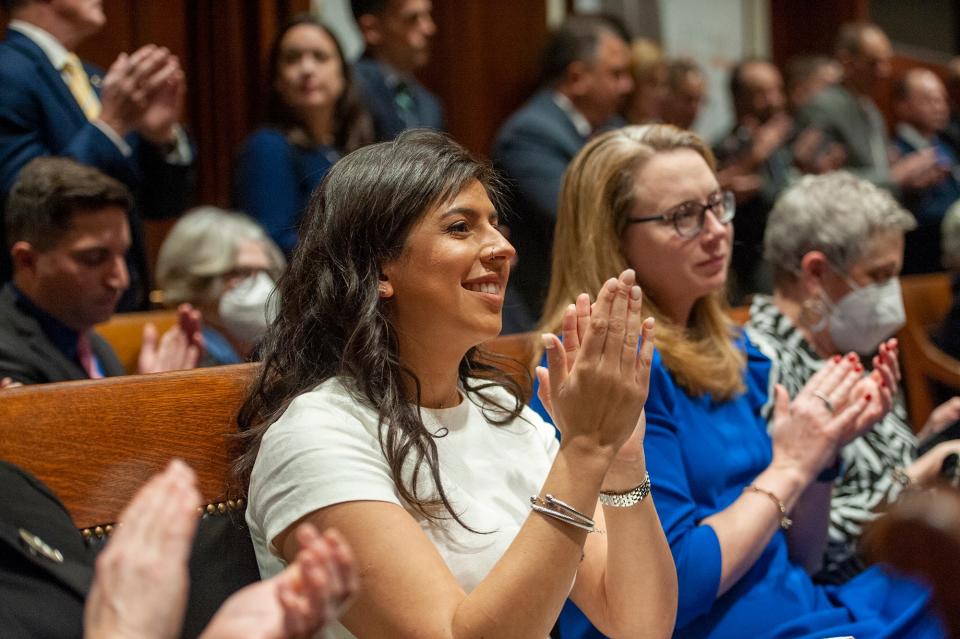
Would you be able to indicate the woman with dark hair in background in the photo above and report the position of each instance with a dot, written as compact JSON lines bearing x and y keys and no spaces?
{"x":315,"y":115}
{"x":373,"y":414}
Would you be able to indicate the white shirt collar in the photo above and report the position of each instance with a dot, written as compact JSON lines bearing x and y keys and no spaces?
{"x":580,"y":123}
{"x":51,"y":47}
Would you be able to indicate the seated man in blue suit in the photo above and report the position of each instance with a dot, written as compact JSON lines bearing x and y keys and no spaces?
{"x":923,"y":113}
{"x":124,"y":123}
{"x":68,"y":234}
{"x":397,"y":37}
{"x":585,"y":80}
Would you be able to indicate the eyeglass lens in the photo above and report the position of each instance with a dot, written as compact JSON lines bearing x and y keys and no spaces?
{"x":691,"y":216}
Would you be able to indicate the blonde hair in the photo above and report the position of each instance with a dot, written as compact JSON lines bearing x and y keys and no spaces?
{"x":595,"y":200}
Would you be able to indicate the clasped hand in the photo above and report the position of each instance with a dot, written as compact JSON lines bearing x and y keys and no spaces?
{"x":835,"y":406}
{"x":144,"y":91}
{"x":597,"y":379}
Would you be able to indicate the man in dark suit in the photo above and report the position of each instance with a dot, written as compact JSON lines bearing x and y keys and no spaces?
{"x":847,"y":115}
{"x":47,"y":567}
{"x":125,"y":123}
{"x":923,"y":113}
{"x":50,"y":585}
{"x":585,"y":80}
{"x":68,"y":233}
{"x":397,"y":37}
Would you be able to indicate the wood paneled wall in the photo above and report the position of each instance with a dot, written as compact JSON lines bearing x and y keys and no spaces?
{"x":811,"y":26}
{"x":485,"y":63}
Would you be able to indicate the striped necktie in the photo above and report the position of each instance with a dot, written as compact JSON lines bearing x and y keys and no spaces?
{"x":79,"y":85}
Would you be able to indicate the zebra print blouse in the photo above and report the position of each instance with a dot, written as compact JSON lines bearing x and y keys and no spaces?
{"x":867,"y":483}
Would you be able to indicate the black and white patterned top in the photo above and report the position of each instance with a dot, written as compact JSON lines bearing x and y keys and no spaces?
{"x":867,"y":482}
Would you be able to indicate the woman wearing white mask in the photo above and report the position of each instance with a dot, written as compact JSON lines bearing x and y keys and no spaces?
{"x":835,"y":245}
{"x":223,"y":263}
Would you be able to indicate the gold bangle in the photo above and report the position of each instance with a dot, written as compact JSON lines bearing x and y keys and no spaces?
{"x":785,"y":521}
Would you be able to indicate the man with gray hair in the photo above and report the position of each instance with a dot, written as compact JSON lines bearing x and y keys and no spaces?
{"x":585,"y":79}
{"x":847,"y":115}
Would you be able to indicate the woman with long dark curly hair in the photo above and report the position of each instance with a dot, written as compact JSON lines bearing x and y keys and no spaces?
{"x":373,"y":414}
{"x":315,"y":115}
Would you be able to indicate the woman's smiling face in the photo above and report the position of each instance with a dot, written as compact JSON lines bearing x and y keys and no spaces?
{"x":450,"y":280}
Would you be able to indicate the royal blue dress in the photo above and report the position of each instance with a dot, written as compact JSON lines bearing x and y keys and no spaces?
{"x":273,"y":180}
{"x":700,"y":455}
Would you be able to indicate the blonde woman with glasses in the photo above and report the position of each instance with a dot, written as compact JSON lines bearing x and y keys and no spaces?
{"x":739,"y":499}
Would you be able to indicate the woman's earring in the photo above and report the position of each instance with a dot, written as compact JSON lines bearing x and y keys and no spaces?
{"x":385,"y":290}
{"x":813,"y":314}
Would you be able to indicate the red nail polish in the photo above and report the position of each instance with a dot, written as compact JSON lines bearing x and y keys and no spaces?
{"x":836,"y":359}
{"x":883,"y":383}
{"x":852,"y":357}
{"x":868,"y":397}
{"x":858,"y":368}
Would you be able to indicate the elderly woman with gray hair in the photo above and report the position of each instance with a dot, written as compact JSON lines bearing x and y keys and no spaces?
{"x":835,"y":245}
{"x":223,"y":263}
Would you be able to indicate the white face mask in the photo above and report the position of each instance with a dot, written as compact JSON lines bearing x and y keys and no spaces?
{"x":247,"y":309}
{"x":866,"y":316}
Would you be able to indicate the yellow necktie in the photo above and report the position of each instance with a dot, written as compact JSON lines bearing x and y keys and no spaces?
{"x":79,"y":85}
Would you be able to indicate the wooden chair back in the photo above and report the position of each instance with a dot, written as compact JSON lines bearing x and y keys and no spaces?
{"x":739,"y":314}
{"x":920,"y":536}
{"x":926,"y":299}
{"x":124,"y":333}
{"x":95,"y":442}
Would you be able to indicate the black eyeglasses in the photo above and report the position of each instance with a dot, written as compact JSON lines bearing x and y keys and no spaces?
{"x":688,"y":218}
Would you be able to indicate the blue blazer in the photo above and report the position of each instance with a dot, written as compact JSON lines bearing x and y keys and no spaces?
{"x":39,"y":117}
{"x":378,"y":97}
{"x":532,"y":151}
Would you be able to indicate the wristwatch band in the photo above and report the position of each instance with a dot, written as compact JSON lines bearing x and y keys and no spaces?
{"x":630,"y":498}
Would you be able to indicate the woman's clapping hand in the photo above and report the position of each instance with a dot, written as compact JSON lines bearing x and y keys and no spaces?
{"x":809,"y":431}
{"x":597,"y":378}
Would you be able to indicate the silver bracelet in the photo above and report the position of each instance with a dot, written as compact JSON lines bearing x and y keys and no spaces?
{"x":630,"y":498}
{"x":562,"y":511}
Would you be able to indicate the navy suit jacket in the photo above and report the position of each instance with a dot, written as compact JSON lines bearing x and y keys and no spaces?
{"x":379,"y":99}
{"x":28,"y":356}
{"x":532,"y":151}
{"x":39,"y":116}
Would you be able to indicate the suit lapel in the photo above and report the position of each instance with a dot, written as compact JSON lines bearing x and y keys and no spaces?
{"x":47,"y":74}
{"x":30,"y":332}
{"x":568,"y":135}
{"x":73,"y":573}
{"x":31,"y":517}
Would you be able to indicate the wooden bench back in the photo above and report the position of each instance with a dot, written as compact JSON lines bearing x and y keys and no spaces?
{"x":926,"y":299}
{"x":124,"y":333}
{"x":95,"y":442}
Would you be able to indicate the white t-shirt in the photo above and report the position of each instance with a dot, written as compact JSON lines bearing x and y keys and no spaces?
{"x":325,"y":450}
